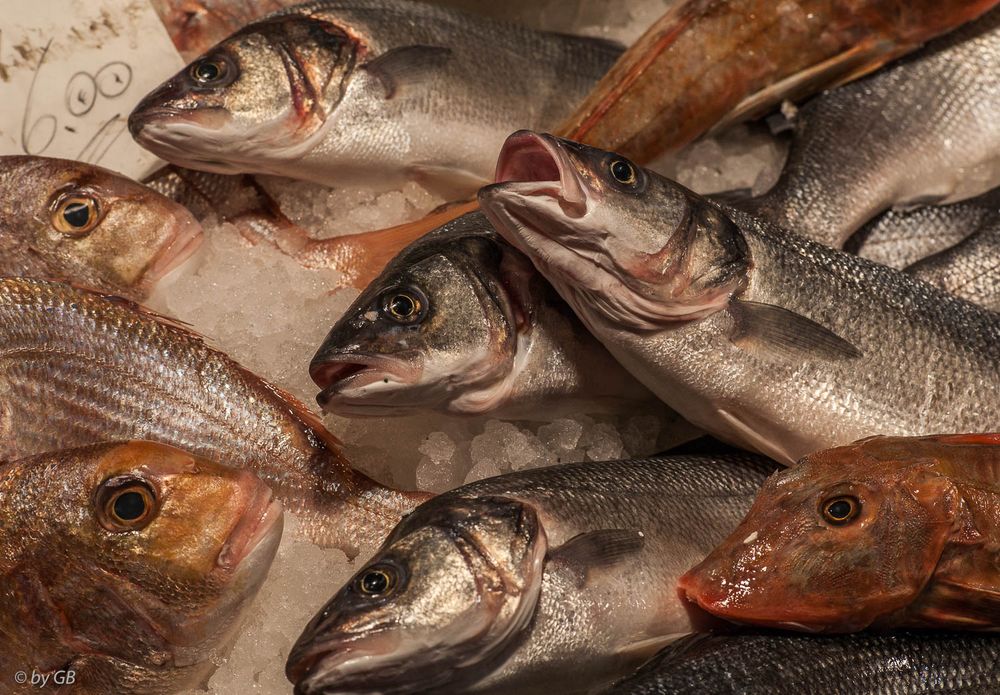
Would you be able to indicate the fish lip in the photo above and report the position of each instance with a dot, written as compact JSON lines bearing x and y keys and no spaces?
{"x":335,"y":374}
{"x":537,"y":165}
{"x":186,"y":238}
{"x":255,"y":530}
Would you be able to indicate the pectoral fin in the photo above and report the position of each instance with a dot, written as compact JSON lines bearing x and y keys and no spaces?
{"x":409,"y":66}
{"x":597,"y":549}
{"x":758,"y":326}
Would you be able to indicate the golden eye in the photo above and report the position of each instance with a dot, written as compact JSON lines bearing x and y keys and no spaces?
{"x":841,"y":510}
{"x":76,"y":215}
{"x":126,"y":504}
{"x":623,"y":172}
{"x":208,"y":70}
{"x":376,"y":581}
{"x":404,"y":306}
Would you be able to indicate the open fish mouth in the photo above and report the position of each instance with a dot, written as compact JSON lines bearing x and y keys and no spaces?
{"x":536,"y":166}
{"x":352,"y":377}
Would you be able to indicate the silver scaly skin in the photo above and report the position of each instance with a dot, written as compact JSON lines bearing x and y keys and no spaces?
{"x":372,"y":92}
{"x":463,"y":323}
{"x":919,"y":131}
{"x":551,"y":580}
{"x":761,"y":337}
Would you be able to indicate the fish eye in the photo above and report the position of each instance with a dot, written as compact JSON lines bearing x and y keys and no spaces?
{"x":404,"y":305}
{"x":76,"y":214}
{"x":209,"y":71}
{"x":841,"y":509}
{"x":623,"y":172}
{"x":377,"y":580}
{"x":126,"y":504}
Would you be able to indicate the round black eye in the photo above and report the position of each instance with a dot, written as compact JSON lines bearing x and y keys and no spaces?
{"x":841,"y":510}
{"x":403,"y":306}
{"x":623,"y":172}
{"x":377,"y":581}
{"x":129,"y":506}
{"x":75,"y":215}
{"x":208,"y":70}
{"x":126,"y":503}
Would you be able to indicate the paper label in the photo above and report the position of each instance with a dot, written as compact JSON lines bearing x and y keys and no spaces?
{"x":70,"y":73}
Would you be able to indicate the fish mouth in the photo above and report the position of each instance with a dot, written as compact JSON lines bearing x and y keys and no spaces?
{"x":255,"y":537}
{"x":347,"y":378}
{"x":537,"y":165}
{"x":184,"y":238}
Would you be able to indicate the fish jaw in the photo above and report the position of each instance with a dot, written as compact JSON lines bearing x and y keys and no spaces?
{"x":184,"y":236}
{"x":349,"y":381}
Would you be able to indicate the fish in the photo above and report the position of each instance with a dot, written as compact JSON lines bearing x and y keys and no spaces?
{"x":887,"y":532}
{"x":911,"y":134}
{"x":124,"y":566}
{"x":462,"y":323}
{"x":77,"y":368}
{"x":195,"y":26}
{"x":70,"y":221}
{"x":550,"y":580}
{"x":371,"y":93}
{"x":759,"y":336}
{"x":903,"y":663}
{"x":969,"y":269}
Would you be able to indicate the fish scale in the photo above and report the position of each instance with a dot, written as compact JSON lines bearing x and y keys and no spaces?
{"x":77,"y":368}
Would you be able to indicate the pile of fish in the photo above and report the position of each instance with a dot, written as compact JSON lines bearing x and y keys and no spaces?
{"x":837,"y":337}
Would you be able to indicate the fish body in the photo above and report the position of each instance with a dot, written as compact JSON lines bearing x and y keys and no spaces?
{"x":556,"y":579}
{"x":371,"y":93}
{"x":461,"y":322}
{"x":887,"y":532}
{"x":902,"y":663}
{"x":75,"y":222}
{"x":77,"y":368}
{"x":970,"y":269}
{"x":124,"y":566}
{"x":761,"y":337}
{"x":913,"y":133}
{"x":196,"y":25}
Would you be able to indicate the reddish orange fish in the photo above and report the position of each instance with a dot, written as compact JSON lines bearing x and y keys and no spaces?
{"x":886,"y":532}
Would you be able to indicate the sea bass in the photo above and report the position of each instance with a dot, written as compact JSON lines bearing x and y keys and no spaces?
{"x":761,"y":337}
{"x":462,"y":322}
{"x":71,"y":221}
{"x":125,"y":566}
{"x":374,"y":92}
{"x":551,"y":580}
{"x":887,"y":532}
{"x":901,"y":663}
{"x":77,"y":368}
{"x":913,"y":133}
{"x":970,"y":269}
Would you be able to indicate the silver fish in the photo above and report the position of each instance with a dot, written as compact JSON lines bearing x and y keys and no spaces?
{"x":761,"y":337}
{"x":374,"y":92}
{"x":916,"y":132}
{"x":970,"y":269}
{"x":461,"y":322}
{"x":552,"y":580}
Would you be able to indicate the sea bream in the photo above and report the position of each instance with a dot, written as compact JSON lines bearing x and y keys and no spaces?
{"x":77,"y":368}
{"x":888,"y":532}
{"x":759,"y":336}
{"x":916,"y":132}
{"x":374,"y":93}
{"x":462,"y":322}
{"x":558,"y":579}
{"x":70,"y":221}
{"x":124,"y":567}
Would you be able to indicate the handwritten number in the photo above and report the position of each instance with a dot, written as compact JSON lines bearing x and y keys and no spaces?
{"x":33,"y":137}
{"x":81,"y":94}
{"x":113,"y":79}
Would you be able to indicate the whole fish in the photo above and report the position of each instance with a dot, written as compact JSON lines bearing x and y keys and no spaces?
{"x":71,"y":221}
{"x":551,"y":580}
{"x":970,"y":269}
{"x":462,"y":322}
{"x":374,"y":92}
{"x":761,"y":337}
{"x":913,"y":133}
{"x":196,"y":25}
{"x":901,"y":663}
{"x":708,"y":63}
{"x":887,"y":532}
{"x":124,"y":566}
{"x":77,"y":368}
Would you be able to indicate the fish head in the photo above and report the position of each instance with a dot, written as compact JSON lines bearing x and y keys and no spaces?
{"x":262,"y":95}
{"x":454,"y":584}
{"x":172,"y":544}
{"x":839,"y":541}
{"x":437,"y":329}
{"x":620,"y":243}
{"x":92,"y":227}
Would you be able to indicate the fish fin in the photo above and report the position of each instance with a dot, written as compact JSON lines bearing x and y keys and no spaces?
{"x":642,"y":649}
{"x":853,"y":63}
{"x":753,"y":438}
{"x":449,"y":182}
{"x":732,"y":197}
{"x":596,"y":549}
{"x":401,"y":67}
{"x":596,"y":42}
{"x":757,"y":324}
